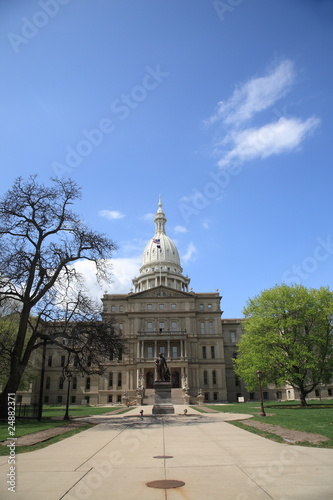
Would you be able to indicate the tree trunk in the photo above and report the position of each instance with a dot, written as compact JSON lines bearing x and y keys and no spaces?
{"x":302,"y":395}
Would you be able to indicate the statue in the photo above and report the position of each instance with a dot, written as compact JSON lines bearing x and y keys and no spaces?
{"x":163,"y":371}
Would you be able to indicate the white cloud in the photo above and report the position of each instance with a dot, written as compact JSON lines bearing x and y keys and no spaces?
{"x":255,"y":95}
{"x":190,"y":253}
{"x":206,"y":224}
{"x":279,"y":137}
{"x":111,"y":214}
{"x":180,"y":229}
{"x":123,"y":271}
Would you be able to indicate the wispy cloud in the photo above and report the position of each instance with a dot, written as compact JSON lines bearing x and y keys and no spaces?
{"x":255,"y":95}
{"x":274,"y":138}
{"x":190,"y":253}
{"x":180,"y":229}
{"x":111,"y":214}
{"x":237,"y":142}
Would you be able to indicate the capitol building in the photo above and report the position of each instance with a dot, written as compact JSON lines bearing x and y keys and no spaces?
{"x":160,"y":315}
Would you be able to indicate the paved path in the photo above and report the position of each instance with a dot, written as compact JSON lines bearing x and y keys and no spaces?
{"x":217,"y":461}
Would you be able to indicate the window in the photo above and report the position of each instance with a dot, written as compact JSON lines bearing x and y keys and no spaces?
{"x":175,"y":351}
{"x":215,"y":396}
{"x":113,"y":308}
{"x":173,"y":306}
{"x":119,"y":380}
{"x":74,"y":385}
{"x":204,"y":352}
{"x":161,"y":307}
{"x":214,"y":377}
{"x":278,"y":395}
{"x":206,"y":396}
{"x":317,"y":393}
{"x":121,"y":308}
{"x":59,"y":399}
{"x":237,"y":382}
{"x":173,"y":326}
{"x":87,"y":398}
{"x":202,"y":327}
{"x":161,"y":326}
{"x":210,"y":326}
{"x":49,"y":361}
{"x":149,"y":351}
{"x":110,"y":398}
{"x":233,"y":337}
{"x":73,"y":399}
{"x":61,"y":383}
{"x":48,"y":383}
{"x":201,"y":307}
{"x":265,"y":394}
{"x":120,"y":354}
{"x":205,"y":377}
{"x":209,"y":307}
{"x":162,"y":350}
{"x":149,"y":307}
{"x":149,"y":326}
{"x":329,"y":391}
{"x":119,"y":398}
{"x":212,"y":351}
{"x":110,"y":379}
{"x":46,"y":399}
{"x":87,"y":383}
{"x":111,"y":355}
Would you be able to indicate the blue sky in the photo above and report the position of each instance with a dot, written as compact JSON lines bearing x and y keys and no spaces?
{"x":222,"y":107}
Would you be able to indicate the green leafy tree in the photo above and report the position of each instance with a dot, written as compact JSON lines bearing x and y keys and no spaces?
{"x":289,"y":337}
{"x":41,"y":239}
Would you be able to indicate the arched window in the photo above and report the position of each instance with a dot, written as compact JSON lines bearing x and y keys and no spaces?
{"x":87,"y":383}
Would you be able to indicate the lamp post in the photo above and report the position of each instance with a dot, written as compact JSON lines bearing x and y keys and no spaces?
{"x":68,"y":376}
{"x":41,"y":386}
{"x":262,"y":410}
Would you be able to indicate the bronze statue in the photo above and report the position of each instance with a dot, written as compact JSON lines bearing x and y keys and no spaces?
{"x":163,"y":371}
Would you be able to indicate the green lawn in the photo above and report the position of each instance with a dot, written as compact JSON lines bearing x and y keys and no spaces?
{"x":315,"y":418}
{"x":52,"y":417}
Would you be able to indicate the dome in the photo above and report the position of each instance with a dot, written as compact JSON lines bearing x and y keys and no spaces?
{"x":160,"y":260}
{"x":160,"y":249}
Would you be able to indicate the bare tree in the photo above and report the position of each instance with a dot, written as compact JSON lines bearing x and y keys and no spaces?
{"x":40,"y":240}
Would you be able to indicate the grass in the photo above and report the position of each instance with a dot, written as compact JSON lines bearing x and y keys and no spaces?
{"x":38,"y":446}
{"x":52,"y":417}
{"x":316,"y":418}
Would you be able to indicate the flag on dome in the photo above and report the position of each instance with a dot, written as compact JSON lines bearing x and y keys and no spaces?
{"x":157,"y":241}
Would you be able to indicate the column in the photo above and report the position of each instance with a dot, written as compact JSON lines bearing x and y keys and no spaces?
{"x":142,"y":349}
{"x":168,"y":350}
{"x":155,"y":349}
{"x":185,"y":348}
{"x":181,"y":349}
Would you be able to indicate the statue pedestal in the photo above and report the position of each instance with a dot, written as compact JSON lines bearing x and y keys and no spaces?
{"x":163,"y":404}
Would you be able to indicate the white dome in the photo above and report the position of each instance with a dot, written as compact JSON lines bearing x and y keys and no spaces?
{"x":160,"y":260}
{"x":166,"y":254}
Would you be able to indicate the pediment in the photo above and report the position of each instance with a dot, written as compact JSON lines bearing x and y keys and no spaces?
{"x":161,"y":291}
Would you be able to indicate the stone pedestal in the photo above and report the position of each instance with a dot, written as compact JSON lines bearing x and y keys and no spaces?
{"x":163,"y":404}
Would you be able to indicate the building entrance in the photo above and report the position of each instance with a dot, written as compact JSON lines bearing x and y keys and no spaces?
{"x":175,"y":379}
{"x":149,"y":380}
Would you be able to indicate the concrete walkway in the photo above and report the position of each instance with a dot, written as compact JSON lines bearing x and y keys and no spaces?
{"x":216,"y":461}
